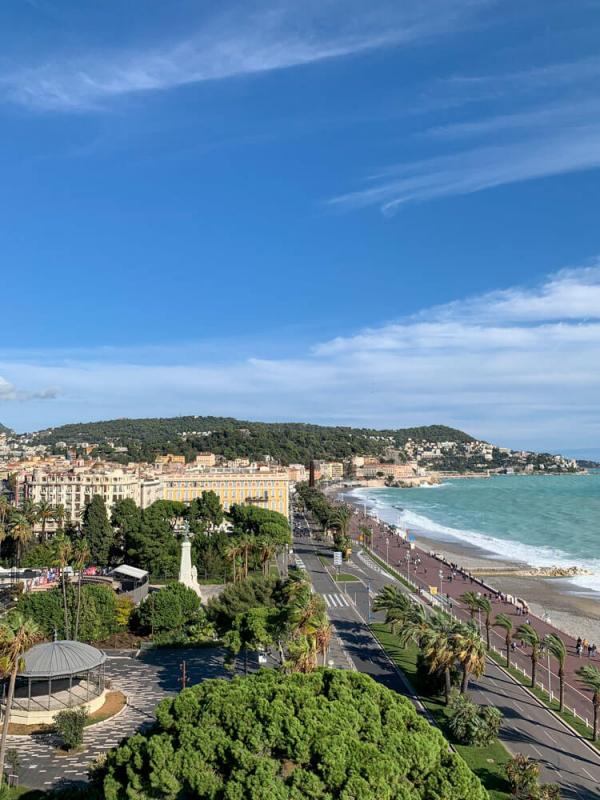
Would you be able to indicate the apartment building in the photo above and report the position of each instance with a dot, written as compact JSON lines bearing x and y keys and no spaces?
{"x":74,"y":486}
{"x":267,"y":488}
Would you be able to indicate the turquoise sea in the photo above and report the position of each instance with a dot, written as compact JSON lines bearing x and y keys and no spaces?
{"x":540,"y":520}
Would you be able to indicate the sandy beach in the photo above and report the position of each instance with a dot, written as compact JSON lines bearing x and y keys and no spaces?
{"x":573,"y":611}
{"x":569,"y":608}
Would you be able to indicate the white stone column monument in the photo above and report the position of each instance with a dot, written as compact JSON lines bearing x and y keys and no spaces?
{"x":188,"y":575}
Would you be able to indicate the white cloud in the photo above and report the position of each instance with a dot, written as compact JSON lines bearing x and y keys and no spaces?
{"x":254,"y":39}
{"x":9,"y":391}
{"x":552,"y":127}
{"x":517,"y":366}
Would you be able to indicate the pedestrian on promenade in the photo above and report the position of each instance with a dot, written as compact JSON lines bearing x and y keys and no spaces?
{"x":579,"y":649}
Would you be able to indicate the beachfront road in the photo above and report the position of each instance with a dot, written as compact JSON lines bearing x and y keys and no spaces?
{"x":528,"y":727}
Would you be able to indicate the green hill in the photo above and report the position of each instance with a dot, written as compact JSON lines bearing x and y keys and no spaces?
{"x":4,"y":429}
{"x":288,"y":442}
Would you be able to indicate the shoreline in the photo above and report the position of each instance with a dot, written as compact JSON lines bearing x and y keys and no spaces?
{"x":574,"y":611}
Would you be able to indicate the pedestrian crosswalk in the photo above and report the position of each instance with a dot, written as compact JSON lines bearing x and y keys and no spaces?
{"x":336,"y":600}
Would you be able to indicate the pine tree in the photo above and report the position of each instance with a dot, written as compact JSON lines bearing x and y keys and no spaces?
{"x":97,"y":531}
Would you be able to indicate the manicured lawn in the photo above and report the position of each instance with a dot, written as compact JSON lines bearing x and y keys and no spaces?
{"x":345,"y":577}
{"x":486,"y":762}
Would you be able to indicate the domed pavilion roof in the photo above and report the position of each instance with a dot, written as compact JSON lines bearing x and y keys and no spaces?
{"x":61,"y":659}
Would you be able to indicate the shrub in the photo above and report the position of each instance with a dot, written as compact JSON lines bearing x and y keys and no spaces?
{"x":473,"y":724}
{"x":69,"y":726}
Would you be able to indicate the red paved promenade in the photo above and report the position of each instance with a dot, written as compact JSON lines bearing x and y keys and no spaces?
{"x":425,"y":570}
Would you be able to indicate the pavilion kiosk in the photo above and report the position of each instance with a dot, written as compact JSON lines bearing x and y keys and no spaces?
{"x":57,"y":676}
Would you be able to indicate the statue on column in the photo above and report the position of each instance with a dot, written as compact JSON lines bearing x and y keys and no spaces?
{"x":188,"y":574}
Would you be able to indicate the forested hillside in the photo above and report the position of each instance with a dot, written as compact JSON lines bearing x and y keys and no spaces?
{"x":286,"y":442}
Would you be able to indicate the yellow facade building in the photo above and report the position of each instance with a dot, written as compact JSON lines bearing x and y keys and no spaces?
{"x":264,"y":488}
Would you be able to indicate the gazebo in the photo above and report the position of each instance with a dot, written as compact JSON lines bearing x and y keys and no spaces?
{"x":57,"y":676}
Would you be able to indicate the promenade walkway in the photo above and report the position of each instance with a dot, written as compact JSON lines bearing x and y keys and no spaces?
{"x":424,"y":570}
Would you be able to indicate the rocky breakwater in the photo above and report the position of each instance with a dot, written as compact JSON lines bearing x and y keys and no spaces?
{"x":535,"y":572}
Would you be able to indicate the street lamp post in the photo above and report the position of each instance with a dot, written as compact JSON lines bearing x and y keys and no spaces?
{"x":387,"y":549}
{"x":441,"y":584}
{"x":408,"y":567}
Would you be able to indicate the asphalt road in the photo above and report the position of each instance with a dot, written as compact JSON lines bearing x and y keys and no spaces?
{"x":528,"y":727}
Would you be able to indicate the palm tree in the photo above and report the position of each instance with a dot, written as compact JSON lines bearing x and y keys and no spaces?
{"x":528,"y":634}
{"x":29,"y":510}
{"x":17,"y":635}
{"x":483,"y":604}
{"x":20,"y":532}
{"x":340,"y":519}
{"x":367,"y":535}
{"x":590,"y":677}
{"x":558,"y":649}
{"x":44,"y":513}
{"x":81,"y":553}
{"x":322,"y":632}
{"x":246,"y":544}
{"x":470,"y":652}
{"x":5,"y":509}
{"x":471,"y":600}
{"x":301,"y":614}
{"x":396,"y":604}
{"x":438,"y":648}
{"x":505,"y":622}
{"x":232,"y":552}
{"x":64,"y":551}
{"x":302,"y":655}
{"x":60,"y":514}
{"x":266,"y":550}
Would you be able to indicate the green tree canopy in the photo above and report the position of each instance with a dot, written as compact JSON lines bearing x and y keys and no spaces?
{"x":328,"y":735}
{"x":98,"y":531}
{"x":169,"y":610}
{"x":98,"y":611}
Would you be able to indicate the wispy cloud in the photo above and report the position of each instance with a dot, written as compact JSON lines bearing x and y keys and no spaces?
{"x":516,"y":366}
{"x":256,"y":39}
{"x":552,"y":128}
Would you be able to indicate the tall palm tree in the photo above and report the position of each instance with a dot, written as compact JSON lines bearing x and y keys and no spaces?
{"x":266,"y":550}
{"x":5,"y":509}
{"x":483,"y":604}
{"x":20,"y":532}
{"x":232,"y":553}
{"x":470,"y":652}
{"x":29,"y":510}
{"x":246,"y":544}
{"x":44,"y":513}
{"x":64,"y":551}
{"x":318,"y":630}
{"x":81,"y":553}
{"x":590,"y":677}
{"x":17,"y":635}
{"x":505,"y":622}
{"x":438,"y":648}
{"x":528,"y":634}
{"x":471,"y":600}
{"x":60,"y":515}
{"x":558,"y":649}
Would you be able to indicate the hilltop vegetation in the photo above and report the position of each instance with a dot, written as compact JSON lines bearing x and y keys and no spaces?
{"x":4,"y":429}
{"x":231,"y":438}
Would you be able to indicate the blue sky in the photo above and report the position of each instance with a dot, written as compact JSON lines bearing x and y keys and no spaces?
{"x":373,"y":213}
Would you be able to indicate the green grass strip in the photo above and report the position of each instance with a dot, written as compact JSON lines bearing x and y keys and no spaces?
{"x":486,"y":762}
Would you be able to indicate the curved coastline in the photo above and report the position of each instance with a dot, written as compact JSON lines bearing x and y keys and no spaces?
{"x":573,"y":603}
